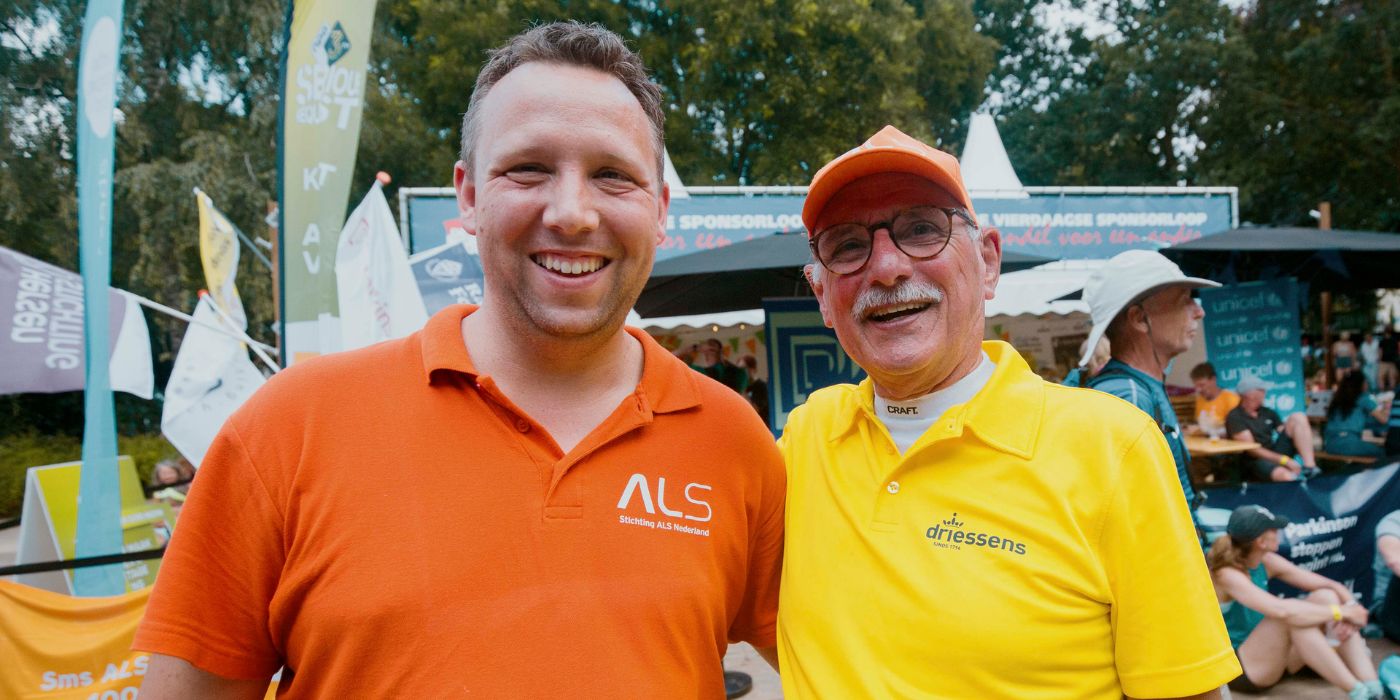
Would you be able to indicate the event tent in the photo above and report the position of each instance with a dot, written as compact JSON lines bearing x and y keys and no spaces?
{"x":1327,"y":259}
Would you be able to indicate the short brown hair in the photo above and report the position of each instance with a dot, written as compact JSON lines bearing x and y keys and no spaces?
{"x":1205,"y":370}
{"x":569,"y":43}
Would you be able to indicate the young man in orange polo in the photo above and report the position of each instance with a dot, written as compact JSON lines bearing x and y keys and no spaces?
{"x":507,"y":503}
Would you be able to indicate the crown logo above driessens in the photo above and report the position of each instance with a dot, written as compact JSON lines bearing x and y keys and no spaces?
{"x":953,"y":521}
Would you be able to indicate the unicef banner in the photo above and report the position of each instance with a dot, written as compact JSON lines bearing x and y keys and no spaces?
{"x":1253,"y":330}
{"x":322,"y":95}
{"x":1333,"y":521}
{"x":1049,"y":225}
{"x":803,"y":356}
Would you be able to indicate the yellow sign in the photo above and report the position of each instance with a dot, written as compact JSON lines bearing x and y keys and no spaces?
{"x":50,"y":522}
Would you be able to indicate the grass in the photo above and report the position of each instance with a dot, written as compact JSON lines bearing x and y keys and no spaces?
{"x":20,"y":452}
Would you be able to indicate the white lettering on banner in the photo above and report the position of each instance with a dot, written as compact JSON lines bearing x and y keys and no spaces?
{"x":321,"y":86}
{"x":312,"y":237}
{"x":314,"y":178}
{"x":770,"y":222}
{"x":638,"y":484}
{"x":49,"y":310}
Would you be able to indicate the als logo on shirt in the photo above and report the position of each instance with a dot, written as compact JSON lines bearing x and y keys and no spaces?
{"x":695,"y":508}
{"x":950,"y":534}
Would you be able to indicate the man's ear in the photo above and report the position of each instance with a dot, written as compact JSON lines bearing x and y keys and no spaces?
{"x":465,"y":186}
{"x":814,"y":279}
{"x":990,"y":248}
{"x":665,"y":206}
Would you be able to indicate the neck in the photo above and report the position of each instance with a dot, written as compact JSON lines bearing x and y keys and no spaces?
{"x":1209,"y":395}
{"x":1138,"y":353}
{"x":905,"y":387}
{"x":516,"y":356}
{"x":1252,"y":560}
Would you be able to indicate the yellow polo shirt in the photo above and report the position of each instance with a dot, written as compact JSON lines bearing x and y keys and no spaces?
{"x":1033,"y":543}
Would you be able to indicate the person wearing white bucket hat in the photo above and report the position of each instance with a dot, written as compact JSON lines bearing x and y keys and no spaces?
{"x":1142,"y":302}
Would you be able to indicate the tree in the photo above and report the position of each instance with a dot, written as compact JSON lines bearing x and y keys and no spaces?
{"x":1309,"y":111}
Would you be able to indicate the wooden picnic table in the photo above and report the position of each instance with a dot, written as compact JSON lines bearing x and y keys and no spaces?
{"x":1202,"y":446}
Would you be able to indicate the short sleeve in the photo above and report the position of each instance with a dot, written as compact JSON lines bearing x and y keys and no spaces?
{"x":212,"y":594}
{"x":757,"y":620}
{"x":1389,"y":525}
{"x":1235,"y":423}
{"x":1169,"y":638}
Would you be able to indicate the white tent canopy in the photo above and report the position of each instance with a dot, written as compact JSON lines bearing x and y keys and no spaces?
{"x":986,"y":169}
{"x":1034,"y":291}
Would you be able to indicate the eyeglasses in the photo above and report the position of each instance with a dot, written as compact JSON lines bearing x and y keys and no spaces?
{"x":919,"y":232}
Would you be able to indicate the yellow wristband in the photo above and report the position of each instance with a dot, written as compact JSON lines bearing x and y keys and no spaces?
{"x":1283,"y":461}
{"x":1337,"y":613}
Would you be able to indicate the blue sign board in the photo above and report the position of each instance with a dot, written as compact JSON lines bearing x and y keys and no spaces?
{"x":1253,"y":330}
{"x":448,"y":275}
{"x":803,"y":356}
{"x":1048,"y":225}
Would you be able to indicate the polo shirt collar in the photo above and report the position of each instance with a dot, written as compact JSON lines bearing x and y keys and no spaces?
{"x":1005,"y":414}
{"x":667,"y":384}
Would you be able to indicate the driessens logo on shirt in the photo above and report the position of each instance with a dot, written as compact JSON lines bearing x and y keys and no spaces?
{"x":950,"y":534}
{"x":694,"y":507}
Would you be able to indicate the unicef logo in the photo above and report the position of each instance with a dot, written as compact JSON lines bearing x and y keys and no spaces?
{"x":1280,"y":333}
{"x":1283,"y":367}
{"x":1285,"y":403}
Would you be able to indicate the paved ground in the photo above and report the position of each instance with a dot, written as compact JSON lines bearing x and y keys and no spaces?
{"x":742,"y":657}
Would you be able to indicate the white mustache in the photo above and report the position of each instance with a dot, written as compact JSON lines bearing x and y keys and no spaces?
{"x":908,"y":292}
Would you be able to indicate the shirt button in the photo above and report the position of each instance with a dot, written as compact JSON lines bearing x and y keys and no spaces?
{"x":522,"y":425}
{"x":892,"y":487}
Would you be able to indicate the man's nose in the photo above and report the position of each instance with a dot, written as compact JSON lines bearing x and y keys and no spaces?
{"x":571,"y":208}
{"x":888,"y":265}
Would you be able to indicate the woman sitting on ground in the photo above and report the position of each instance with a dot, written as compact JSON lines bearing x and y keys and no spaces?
{"x":1346,"y":419}
{"x":1272,"y":635}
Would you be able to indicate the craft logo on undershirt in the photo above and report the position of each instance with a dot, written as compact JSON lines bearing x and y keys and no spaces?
{"x":902,"y":410}
{"x":695,"y":508}
{"x":950,"y":534}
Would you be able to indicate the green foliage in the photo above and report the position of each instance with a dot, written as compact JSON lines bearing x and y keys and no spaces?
{"x":19,"y":452}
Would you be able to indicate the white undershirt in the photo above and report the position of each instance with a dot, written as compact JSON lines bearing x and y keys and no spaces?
{"x":908,"y":420}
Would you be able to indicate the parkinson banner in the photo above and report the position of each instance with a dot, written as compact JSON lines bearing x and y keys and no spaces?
{"x":1253,"y":329}
{"x":1332,"y":528}
{"x":322,"y":97}
{"x":803,"y":356}
{"x":41,"y":332}
{"x":218,"y":251}
{"x":212,"y":377}
{"x":379,"y":298}
{"x":448,"y":274}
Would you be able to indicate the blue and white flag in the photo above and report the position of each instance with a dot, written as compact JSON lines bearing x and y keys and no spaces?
{"x":448,"y":274}
{"x":99,"y":502}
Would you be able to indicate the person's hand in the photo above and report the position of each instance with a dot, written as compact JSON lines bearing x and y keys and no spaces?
{"x":1343,"y":630}
{"x":1354,"y":614}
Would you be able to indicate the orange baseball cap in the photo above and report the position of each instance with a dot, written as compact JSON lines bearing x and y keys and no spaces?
{"x":889,"y":151}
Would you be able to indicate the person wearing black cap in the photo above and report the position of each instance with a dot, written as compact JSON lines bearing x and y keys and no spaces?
{"x":1273,"y":635}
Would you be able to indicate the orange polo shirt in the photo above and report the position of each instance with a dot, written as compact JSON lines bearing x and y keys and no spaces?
{"x":386,"y":523}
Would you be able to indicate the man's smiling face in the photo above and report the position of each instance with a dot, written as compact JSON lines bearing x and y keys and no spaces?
{"x":907,"y":322}
{"x":564,"y":198}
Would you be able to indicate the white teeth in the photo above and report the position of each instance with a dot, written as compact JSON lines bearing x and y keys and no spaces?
{"x":890,"y":311}
{"x":569,"y":267}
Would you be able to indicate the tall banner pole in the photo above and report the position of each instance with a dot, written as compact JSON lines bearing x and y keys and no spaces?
{"x":323,"y":90}
{"x":99,"y":499}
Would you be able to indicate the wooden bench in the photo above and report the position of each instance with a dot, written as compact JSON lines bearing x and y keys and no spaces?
{"x":1343,"y":460}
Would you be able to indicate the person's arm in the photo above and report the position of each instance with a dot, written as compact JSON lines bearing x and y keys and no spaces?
{"x":769,"y":654}
{"x":1382,"y":412}
{"x":1262,"y":452}
{"x":171,"y":677}
{"x":1294,"y":611}
{"x":1279,"y":567}
{"x":1389,"y":547}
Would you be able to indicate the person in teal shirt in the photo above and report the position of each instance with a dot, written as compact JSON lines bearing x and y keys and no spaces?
{"x":1346,"y":419}
{"x":1273,"y":635}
